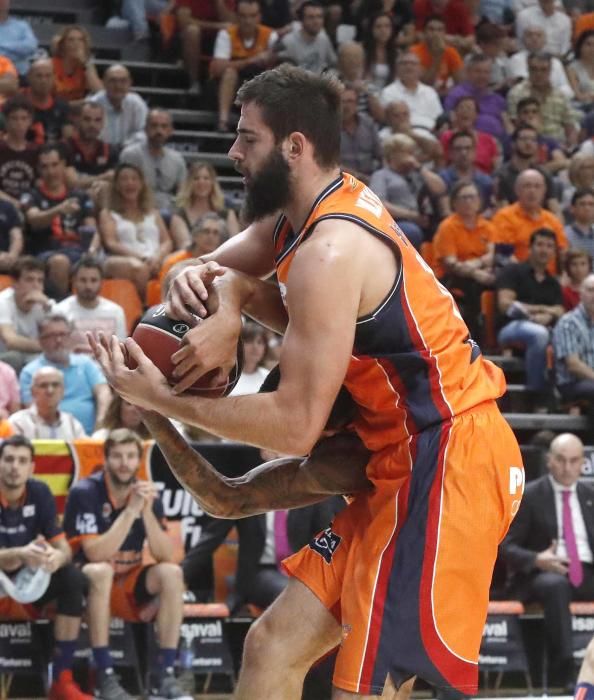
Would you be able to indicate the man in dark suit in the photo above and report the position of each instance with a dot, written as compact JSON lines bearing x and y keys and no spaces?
{"x":550,"y":544}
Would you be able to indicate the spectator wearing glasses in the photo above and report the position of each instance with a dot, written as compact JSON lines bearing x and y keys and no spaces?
{"x":534,"y":39}
{"x":86,"y":393}
{"x":43,"y":420}
{"x":462,"y":153}
{"x":207,"y":235}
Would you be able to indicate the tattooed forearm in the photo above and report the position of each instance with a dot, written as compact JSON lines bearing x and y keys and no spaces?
{"x":337,"y":466}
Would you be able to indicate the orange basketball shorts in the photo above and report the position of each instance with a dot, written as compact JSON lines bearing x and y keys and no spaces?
{"x":123,"y":600}
{"x":407,"y":566}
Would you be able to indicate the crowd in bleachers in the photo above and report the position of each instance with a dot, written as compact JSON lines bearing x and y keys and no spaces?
{"x":473,"y":121}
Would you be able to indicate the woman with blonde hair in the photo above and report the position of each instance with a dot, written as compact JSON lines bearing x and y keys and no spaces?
{"x":200,"y":194}
{"x":74,"y":71}
{"x":133,"y":233}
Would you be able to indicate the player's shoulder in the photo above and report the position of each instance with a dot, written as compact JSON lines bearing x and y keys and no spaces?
{"x":38,"y":491}
{"x":89,"y":486}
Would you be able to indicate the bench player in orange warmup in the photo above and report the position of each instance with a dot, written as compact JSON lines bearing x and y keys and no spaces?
{"x":401,"y":579}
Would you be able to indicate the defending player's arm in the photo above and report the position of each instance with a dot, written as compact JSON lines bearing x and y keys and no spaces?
{"x":336,"y":466}
{"x":324,"y":292}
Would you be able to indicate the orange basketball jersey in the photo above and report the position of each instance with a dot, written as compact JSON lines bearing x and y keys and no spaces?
{"x":413,"y":363}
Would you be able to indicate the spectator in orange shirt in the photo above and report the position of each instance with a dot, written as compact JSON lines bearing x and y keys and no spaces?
{"x":9,"y":79}
{"x":441,"y":62}
{"x":464,"y":250}
{"x":75,"y":74}
{"x":207,"y":234}
{"x":516,"y":223}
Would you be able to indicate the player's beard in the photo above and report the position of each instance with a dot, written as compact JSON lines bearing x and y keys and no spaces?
{"x":269,"y":190}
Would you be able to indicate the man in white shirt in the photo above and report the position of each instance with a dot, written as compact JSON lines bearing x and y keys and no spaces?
{"x":241,"y":51}
{"x":43,"y":420}
{"x":86,"y":310}
{"x":422,"y":100}
{"x":555,"y":24}
{"x":21,"y":307}
{"x":549,"y":548}
{"x":125,"y":111}
{"x":534,"y":39}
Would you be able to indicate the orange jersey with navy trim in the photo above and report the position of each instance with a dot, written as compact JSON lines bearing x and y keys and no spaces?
{"x":413,"y":363}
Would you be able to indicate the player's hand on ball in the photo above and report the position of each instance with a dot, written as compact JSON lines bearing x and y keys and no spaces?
{"x":189,"y":290}
{"x":142,"y":386}
{"x":210,"y":345}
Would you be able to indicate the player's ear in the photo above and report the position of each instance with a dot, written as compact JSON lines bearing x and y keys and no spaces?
{"x":296,"y":143}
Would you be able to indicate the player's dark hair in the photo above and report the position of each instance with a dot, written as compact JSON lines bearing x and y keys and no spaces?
{"x":16,"y":103}
{"x":26,"y":263}
{"x":17,"y":441}
{"x":342,"y":413}
{"x":543,"y":233}
{"x":293,"y":99}
{"x":121,"y":436}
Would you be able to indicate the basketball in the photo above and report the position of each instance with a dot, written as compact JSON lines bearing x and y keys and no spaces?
{"x":160,"y":337}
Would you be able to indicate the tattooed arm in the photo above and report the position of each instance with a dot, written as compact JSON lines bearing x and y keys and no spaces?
{"x":336,"y":466}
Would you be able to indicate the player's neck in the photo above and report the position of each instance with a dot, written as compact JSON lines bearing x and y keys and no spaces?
{"x":304,"y":194}
{"x":12,"y":496}
{"x":118,"y":492}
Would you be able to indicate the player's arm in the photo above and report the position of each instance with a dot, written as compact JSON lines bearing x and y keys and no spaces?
{"x":104,"y":546}
{"x":251,"y":251}
{"x":60,"y":554}
{"x":212,"y":344}
{"x":158,"y":540}
{"x":323,"y":297}
{"x":336,"y":466}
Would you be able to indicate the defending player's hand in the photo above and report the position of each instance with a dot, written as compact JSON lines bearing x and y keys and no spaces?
{"x":211,"y":344}
{"x":141,"y":386}
{"x":189,"y":290}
